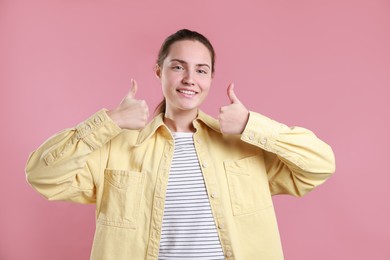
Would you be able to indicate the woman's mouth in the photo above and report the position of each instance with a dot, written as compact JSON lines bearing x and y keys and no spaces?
{"x":187,"y":92}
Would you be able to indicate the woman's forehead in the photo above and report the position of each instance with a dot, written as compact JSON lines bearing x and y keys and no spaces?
{"x":192,"y":52}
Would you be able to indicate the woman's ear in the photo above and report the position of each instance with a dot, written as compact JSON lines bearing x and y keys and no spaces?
{"x":157,"y":71}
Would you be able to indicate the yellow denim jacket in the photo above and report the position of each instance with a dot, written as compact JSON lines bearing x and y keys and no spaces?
{"x":125,"y":172}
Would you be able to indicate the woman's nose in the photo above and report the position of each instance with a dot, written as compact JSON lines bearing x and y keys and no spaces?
{"x":188,"y":79}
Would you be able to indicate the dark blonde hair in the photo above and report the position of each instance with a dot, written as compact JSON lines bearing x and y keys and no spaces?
{"x":181,"y":35}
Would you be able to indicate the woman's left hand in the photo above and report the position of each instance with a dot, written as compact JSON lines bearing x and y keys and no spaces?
{"x":234,"y":117}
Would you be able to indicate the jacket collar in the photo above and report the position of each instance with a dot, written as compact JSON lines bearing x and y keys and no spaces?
{"x":158,"y":122}
{"x":209,"y":121}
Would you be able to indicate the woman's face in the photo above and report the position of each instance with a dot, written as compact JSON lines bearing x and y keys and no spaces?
{"x":185,"y":75}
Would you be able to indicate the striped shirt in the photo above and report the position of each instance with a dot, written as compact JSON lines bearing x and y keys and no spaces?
{"x":188,"y":228}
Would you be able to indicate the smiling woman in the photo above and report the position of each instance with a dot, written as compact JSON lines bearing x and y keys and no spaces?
{"x":184,"y":35}
{"x":186,"y":78}
{"x":185,"y":185}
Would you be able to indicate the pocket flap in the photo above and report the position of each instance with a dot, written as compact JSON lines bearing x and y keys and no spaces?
{"x":121,"y":178}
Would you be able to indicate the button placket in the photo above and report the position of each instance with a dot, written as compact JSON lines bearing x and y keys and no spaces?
{"x":212,"y":187}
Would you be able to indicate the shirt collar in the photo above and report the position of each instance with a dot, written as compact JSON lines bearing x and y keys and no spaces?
{"x":158,"y":122}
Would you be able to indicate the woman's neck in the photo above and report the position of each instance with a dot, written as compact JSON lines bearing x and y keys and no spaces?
{"x":180,"y":121}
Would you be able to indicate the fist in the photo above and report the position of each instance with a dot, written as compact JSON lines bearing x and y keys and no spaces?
{"x":131,"y":113}
{"x":233,"y":117}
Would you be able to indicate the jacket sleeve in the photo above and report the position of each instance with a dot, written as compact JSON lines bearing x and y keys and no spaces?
{"x":296,"y":160}
{"x":66,"y":166}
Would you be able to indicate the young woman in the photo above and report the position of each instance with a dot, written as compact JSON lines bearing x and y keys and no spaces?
{"x":185,"y":185}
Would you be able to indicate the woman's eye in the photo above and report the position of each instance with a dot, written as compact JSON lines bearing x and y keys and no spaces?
{"x":202,"y":71}
{"x":177,"y":67}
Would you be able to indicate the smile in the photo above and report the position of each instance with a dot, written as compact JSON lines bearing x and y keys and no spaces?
{"x":187,"y":92}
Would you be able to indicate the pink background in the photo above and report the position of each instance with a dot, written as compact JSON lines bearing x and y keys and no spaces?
{"x":323,"y":65}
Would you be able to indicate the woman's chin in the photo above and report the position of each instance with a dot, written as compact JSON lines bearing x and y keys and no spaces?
{"x":186,"y":108}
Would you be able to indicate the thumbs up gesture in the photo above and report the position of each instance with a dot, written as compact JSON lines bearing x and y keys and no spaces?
{"x":130,"y":113}
{"x":233,"y":117}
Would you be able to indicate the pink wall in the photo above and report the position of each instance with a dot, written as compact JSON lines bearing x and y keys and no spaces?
{"x":324,"y":65}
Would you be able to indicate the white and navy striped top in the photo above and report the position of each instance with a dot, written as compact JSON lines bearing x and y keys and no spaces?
{"x":188,"y":228}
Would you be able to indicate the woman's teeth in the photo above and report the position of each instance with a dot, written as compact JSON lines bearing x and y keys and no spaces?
{"x":188,"y":92}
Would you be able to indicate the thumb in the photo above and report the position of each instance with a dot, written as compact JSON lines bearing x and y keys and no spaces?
{"x":133,"y":89}
{"x":232,"y":96}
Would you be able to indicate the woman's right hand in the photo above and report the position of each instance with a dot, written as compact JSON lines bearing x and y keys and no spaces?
{"x":131,"y":113}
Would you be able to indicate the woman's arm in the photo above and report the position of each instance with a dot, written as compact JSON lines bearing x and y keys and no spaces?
{"x":296,"y":160}
{"x":65,"y":166}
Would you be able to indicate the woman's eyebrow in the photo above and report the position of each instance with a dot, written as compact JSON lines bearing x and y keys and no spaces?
{"x":184,"y":62}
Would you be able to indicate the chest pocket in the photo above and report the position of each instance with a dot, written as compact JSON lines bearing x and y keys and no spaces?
{"x":121,"y":200}
{"x":248,"y":184}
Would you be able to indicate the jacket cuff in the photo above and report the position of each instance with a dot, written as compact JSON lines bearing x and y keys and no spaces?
{"x":97,"y":129}
{"x":261,"y":131}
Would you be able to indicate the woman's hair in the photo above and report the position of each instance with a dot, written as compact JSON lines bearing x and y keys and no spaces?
{"x":181,"y":35}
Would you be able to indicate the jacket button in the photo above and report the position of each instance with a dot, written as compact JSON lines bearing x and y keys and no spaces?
{"x":213,"y":195}
{"x":221,"y":225}
{"x":97,"y":121}
{"x":229,"y":253}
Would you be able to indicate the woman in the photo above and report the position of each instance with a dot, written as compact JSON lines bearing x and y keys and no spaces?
{"x":185,"y":185}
